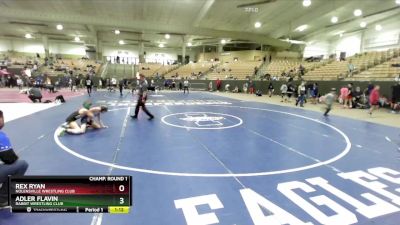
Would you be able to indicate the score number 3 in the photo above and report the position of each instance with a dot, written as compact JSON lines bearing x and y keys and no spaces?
{"x":121,"y":188}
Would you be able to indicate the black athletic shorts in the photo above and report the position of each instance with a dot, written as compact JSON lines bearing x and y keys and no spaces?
{"x":73,"y":117}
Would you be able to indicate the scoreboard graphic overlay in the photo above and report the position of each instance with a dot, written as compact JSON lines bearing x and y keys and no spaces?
{"x":74,"y":194}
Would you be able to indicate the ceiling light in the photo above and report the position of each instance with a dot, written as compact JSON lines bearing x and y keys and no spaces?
{"x":117,"y":32}
{"x":398,"y":2}
{"x":189,"y":44}
{"x":363,"y":24}
{"x":161,"y":45}
{"x":121,"y":42}
{"x":293,"y":41}
{"x":334,"y":19}
{"x":77,"y":39}
{"x":378,"y":27}
{"x":167,"y":36}
{"x":59,"y":27}
{"x":257,"y":25}
{"x":302,"y":28}
{"x":338,"y":32}
{"x":223,"y":41}
{"x":357,"y":12}
{"x":28,"y":36}
{"x":306,"y":3}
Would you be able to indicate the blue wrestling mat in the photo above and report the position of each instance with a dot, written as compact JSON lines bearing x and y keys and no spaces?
{"x":212,"y":160}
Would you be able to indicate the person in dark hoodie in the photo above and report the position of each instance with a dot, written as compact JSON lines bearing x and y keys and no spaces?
{"x":11,"y":164}
{"x":270,"y":89}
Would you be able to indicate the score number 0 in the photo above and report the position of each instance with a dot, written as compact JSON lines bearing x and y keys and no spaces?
{"x":121,"y":188}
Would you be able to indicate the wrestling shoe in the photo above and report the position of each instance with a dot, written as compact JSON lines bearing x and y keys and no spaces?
{"x":62,"y":132}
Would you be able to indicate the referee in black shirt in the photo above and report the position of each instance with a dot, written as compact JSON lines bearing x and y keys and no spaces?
{"x":142,"y":97}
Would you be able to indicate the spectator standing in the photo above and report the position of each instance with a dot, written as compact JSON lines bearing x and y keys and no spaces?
{"x":302,"y":70}
{"x":314,"y":93}
{"x":186,"y":86}
{"x":348,"y":102}
{"x":71,"y":84}
{"x":89,"y":84}
{"x":121,"y":86}
{"x":3,"y":81}
{"x":270,"y":89}
{"x":290,"y":91}
{"x":301,"y":92}
{"x":284,"y":90}
{"x":77,"y":82}
{"x":19,"y":83}
{"x":100,"y":83}
{"x":374,"y":99}
{"x":180,"y":85}
{"x":251,"y":87}
{"x":343,"y":94}
{"x":218,"y":84}
{"x":350,"y":67}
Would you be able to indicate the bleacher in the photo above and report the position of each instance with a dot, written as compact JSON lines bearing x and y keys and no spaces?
{"x":188,"y":69}
{"x":166,"y":69}
{"x":384,"y":71}
{"x":120,"y":71}
{"x":149,"y":69}
{"x":237,"y":69}
{"x":340,"y":69}
{"x":18,"y":59}
{"x":79,"y":66}
{"x":279,"y":66}
{"x":330,"y":71}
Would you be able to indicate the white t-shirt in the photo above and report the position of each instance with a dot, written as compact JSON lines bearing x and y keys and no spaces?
{"x":284,"y":88}
{"x":114,"y":81}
